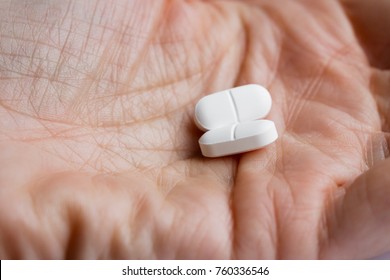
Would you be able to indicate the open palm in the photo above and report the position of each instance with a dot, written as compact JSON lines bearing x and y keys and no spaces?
{"x":99,"y":155}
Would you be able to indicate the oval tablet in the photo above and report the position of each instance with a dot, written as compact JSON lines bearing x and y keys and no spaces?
{"x":240,"y":104}
{"x":238,"y":138}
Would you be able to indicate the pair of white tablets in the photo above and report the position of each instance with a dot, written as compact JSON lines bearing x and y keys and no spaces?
{"x":231,"y":119}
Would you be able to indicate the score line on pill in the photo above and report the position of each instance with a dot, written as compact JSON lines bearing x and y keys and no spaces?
{"x":233,"y":121}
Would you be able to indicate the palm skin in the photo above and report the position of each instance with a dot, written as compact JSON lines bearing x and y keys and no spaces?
{"x":99,"y":151}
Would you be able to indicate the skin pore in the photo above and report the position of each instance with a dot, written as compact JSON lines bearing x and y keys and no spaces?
{"x":98,"y":149}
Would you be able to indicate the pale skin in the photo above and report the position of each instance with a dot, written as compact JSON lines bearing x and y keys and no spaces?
{"x":99,"y":155}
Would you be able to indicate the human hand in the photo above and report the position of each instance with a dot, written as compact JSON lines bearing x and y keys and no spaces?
{"x":99,"y":151}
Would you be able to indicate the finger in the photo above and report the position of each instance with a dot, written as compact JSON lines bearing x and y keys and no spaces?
{"x":359,"y":223}
{"x":75,"y":215}
{"x":370,"y":22}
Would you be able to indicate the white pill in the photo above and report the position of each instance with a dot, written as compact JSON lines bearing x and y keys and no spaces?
{"x":240,"y":104}
{"x":238,"y":138}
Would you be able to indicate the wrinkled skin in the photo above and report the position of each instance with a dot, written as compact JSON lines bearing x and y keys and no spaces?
{"x":99,"y":154}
